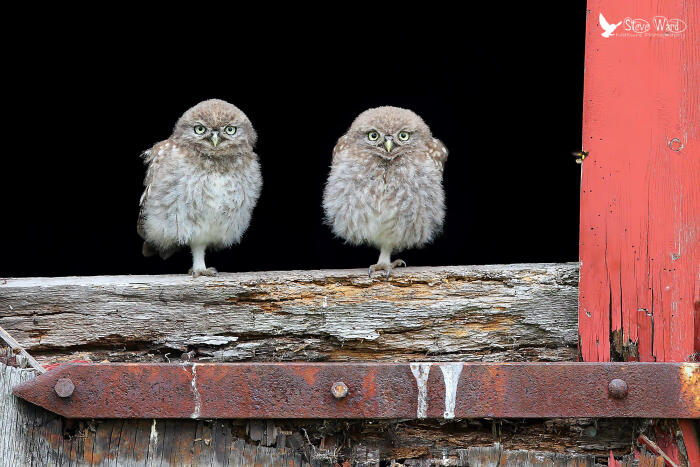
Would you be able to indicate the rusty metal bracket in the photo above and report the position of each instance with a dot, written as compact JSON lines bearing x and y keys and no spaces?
{"x":368,"y":390}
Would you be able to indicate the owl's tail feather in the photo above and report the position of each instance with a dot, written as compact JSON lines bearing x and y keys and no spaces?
{"x":165,"y":254}
{"x":147,"y":250}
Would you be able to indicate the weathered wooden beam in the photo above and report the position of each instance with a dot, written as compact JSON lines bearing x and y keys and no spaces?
{"x":516,"y":312}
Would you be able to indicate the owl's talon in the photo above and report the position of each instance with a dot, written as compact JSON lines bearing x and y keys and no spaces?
{"x":386,"y":267}
{"x":211,"y":272}
{"x":377,"y":267}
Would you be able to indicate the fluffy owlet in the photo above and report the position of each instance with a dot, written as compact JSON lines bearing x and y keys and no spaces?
{"x":385,"y":186}
{"x":201,"y":184}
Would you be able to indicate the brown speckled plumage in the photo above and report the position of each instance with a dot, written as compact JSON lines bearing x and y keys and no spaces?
{"x":386,"y":192}
{"x":201,"y":188}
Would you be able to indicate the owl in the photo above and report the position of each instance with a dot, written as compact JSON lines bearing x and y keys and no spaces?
{"x":385,"y":185}
{"x":201,"y":184}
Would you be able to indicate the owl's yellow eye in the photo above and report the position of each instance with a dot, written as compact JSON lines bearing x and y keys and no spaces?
{"x":373,"y":135}
{"x":404,"y":135}
{"x":230,"y":130}
{"x":199,"y":129}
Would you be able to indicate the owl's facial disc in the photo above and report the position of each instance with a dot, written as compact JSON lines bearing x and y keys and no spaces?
{"x":215,"y":138}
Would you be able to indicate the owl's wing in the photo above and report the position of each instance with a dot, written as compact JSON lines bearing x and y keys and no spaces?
{"x":144,"y":197}
{"x":340,"y":146}
{"x":437,"y":152}
{"x":152,"y":157}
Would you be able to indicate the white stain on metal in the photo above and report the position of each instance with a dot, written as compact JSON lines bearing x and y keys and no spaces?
{"x":421,"y":371}
{"x":450,"y":373}
{"x":195,"y":391}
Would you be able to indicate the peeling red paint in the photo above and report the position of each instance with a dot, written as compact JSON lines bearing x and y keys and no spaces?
{"x":640,"y":195}
{"x":640,"y":188}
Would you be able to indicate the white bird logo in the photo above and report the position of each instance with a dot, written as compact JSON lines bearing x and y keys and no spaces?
{"x":607,"y":27}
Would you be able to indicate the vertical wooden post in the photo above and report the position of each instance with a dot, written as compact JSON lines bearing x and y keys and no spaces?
{"x":640,"y":199}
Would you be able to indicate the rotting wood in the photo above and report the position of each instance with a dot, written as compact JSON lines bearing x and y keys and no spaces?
{"x":521,"y":312}
{"x":17,"y":350}
{"x":33,"y":436}
{"x":490,"y":313}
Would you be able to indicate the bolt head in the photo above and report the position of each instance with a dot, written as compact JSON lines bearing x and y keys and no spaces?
{"x":618,"y":389}
{"x":64,"y":387}
{"x":339,"y":390}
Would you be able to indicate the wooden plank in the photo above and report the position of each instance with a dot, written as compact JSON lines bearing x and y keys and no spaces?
{"x":516,"y":312}
{"x":640,"y":197}
{"x":494,"y":456}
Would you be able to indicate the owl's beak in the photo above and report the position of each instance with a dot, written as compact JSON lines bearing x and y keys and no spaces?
{"x":215,"y":138}
{"x":388,"y":144}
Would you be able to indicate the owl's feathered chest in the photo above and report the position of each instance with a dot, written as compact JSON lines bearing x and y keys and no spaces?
{"x":210,"y":194}
{"x":398,"y":203}
{"x":188,"y":201}
{"x":384,"y":182}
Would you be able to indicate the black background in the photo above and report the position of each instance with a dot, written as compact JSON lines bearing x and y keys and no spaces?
{"x":502,"y":88}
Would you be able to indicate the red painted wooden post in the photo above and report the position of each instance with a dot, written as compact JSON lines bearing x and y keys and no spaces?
{"x":640,"y":199}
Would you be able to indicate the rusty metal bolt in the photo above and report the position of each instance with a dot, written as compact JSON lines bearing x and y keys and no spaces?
{"x":64,"y":387}
{"x":617,"y":389}
{"x":339,"y":390}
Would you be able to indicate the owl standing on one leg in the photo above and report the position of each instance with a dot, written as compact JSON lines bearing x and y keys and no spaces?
{"x":385,"y":186}
{"x":202,"y":184}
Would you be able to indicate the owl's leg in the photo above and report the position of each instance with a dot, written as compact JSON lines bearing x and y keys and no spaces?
{"x":198,"y":266}
{"x":384,"y":263}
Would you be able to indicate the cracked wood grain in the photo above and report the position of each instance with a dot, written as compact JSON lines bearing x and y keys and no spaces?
{"x":514,"y":312}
